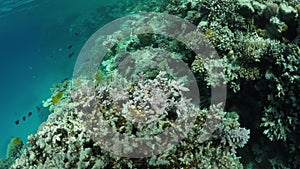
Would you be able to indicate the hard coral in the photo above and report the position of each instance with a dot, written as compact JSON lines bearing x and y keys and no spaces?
{"x":14,"y":147}
{"x":56,"y":98}
{"x":17,"y":141}
{"x":79,"y":148}
{"x":262,"y":71}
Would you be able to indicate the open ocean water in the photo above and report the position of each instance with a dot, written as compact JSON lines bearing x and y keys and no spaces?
{"x":35,"y":52}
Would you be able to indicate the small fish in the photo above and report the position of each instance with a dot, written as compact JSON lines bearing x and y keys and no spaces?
{"x":70,"y":46}
{"x":38,"y":108}
{"x":17,"y":122}
{"x":29,"y":114}
{"x":71,"y":54}
{"x":24,"y":118}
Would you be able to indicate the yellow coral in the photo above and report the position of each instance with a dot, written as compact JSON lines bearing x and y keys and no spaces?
{"x":14,"y":146}
{"x":98,"y":76}
{"x":208,"y":31}
{"x":57,"y":97}
{"x":17,"y":141}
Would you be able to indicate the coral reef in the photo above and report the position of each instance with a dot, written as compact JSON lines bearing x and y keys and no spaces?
{"x":258,"y":45}
{"x":257,"y":41}
{"x":14,"y":146}
{"x":14,"y":150}
{"x":66,"y":139}
{"x":58,"y":94}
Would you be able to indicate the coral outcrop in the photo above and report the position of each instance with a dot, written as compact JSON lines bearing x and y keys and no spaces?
{"x":258,"y":45}
{"x":67,"y":140}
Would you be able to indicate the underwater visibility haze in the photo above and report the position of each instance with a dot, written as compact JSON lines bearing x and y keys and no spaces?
{"x":37,"y":43}
{"x":195,"y":84}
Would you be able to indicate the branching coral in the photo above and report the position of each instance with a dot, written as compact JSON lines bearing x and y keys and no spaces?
{"x":258,"y":51}
{"x":261,"y":68}
{"x":65,"y":139}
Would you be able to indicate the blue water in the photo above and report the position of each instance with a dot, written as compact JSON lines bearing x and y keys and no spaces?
{"x":34,"y":40}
